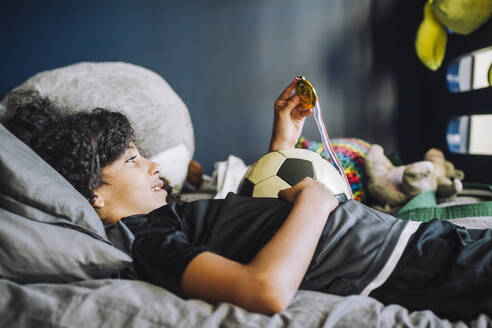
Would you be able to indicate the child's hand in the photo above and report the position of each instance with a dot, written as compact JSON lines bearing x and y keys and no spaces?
{"x":310,"y":190}
{"x":288,"y":120}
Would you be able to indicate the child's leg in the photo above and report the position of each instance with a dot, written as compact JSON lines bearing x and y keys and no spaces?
{"x":445,"y":268}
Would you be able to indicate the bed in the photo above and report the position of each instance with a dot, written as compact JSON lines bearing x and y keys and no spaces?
{"x":59,"y":267}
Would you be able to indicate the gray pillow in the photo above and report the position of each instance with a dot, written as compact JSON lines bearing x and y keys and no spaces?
{"x":48,"y":230}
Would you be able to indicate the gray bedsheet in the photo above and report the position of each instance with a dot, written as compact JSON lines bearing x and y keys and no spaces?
{"x":124,"y":303}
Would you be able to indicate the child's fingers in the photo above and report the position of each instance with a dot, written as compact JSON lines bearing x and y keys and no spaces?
{"x":304,"y":112}
{"x":288,"y":91}
{"x":287,"y":195}
{"x":290,"y":194}
{"x":290,"y":105}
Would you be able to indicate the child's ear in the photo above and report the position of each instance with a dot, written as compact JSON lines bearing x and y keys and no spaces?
{"x":98,"y":201}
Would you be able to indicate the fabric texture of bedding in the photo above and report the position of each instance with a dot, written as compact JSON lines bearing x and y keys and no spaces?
{"x":424,"y":207}
{"x":32,"y":188}
{"x":123,"y":303}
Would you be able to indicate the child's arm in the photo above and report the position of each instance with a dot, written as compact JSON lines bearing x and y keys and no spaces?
{"x":288,"y":119}
{"x":269,"y":282}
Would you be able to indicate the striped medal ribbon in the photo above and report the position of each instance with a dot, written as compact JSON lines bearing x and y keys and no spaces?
{"x":309,"y":99}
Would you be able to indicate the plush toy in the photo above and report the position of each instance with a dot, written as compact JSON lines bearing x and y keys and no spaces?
{"x":459,"y":16}
{"x":392,"y":186}
{"x":350,"y":153}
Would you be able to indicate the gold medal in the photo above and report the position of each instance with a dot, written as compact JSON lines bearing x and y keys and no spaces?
{"x":306,"y":93}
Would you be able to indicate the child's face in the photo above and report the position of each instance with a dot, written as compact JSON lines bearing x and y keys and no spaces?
{"x":131,"y":185}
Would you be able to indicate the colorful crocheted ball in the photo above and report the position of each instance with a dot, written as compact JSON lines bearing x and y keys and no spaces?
{"x":351,"y":153}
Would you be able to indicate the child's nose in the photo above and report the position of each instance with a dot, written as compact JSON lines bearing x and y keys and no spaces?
{"x":154,"y":168}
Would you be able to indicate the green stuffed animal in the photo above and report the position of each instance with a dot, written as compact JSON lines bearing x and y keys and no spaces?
{"x":392,"y":186}
{"x":460,"y":16}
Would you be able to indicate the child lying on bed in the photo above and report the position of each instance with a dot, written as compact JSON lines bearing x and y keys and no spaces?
{"x":256,"y":253}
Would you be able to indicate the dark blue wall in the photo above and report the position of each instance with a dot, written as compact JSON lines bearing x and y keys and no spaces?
{"x":228,"y":60}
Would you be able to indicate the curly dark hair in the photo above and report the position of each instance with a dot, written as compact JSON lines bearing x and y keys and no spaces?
{"x":78,"y":145}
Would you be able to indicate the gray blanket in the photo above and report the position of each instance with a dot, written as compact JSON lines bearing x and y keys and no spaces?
{"x":123,"y":303}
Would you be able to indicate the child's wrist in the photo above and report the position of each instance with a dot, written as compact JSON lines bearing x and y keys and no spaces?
{"x":278,"y":145}
{"x":317,"y":202}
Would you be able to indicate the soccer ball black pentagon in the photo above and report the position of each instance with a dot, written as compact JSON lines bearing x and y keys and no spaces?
{"x":282,"y":169}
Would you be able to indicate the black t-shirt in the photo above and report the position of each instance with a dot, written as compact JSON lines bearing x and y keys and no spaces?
{"x":167,"y":239}
{"x":355,"y":243}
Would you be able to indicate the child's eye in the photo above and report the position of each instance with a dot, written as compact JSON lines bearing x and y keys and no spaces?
{"x":132,"y":159}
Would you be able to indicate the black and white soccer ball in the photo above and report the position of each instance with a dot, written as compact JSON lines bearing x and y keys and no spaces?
{"x":282,"y":169}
